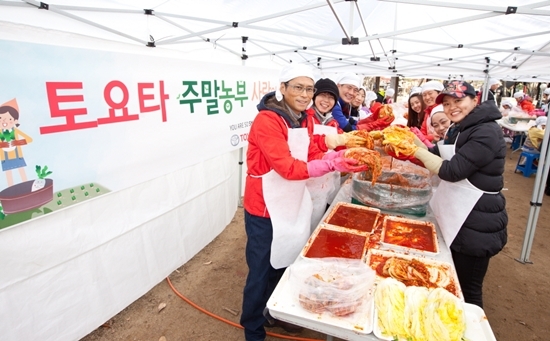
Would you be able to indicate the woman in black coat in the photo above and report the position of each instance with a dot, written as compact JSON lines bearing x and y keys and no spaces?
{"x":472,"y":155}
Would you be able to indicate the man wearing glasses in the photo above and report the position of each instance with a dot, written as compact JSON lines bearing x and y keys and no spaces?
{"x":348,"y":86}
{"x":278,"y":206}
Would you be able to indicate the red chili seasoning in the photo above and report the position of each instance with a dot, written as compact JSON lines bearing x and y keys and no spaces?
{"x":329,"y":243}
{"x":416,"y":236}
{"x":353,"y":218}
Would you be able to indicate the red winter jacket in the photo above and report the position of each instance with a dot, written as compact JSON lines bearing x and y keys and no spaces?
{"x":319,"y":140}
{"x":268,"y":149}
{"x":373,"y":122}
{"x":424,"y":127}
{"x":526,"y":105}
{"x":332,"y":123}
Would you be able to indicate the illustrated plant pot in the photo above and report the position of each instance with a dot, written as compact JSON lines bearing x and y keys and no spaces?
{"x":19,"y":197}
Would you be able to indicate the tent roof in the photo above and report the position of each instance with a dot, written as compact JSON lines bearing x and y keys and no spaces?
{"x":411,"y":38}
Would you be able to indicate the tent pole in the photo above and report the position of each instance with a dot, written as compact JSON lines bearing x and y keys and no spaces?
{"x":348,"y":37}
{"x":240,"y":201}
{"x":536,"y":200}
{"x":538,"y":96}
{"x":485,"y":88}
{"x":244,"y":57}
{"x":351,"y":18}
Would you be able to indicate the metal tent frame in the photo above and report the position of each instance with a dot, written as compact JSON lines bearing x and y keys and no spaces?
{"x":536,"y":199}
{"x":315,"y":33}
{"x":339,"y":47}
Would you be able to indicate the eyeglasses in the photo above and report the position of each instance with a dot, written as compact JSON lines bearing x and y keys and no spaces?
{"x":298,"y":89}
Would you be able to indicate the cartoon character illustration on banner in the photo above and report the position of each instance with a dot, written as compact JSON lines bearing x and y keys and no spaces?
{"x":11,"y":140}
{"x":25,"y":195}
{"x":27,"y":199}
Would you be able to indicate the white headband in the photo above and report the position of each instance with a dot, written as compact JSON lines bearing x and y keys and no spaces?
{"x":292,"y":71}
{"x":351,"y":79}
{"x":493,"y":81}
{"x":370,"y":96}
{"x":432,"y":85}
{"x":437,"y":108}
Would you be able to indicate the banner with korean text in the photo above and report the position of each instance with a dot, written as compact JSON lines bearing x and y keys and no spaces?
{"x":78,"y":122}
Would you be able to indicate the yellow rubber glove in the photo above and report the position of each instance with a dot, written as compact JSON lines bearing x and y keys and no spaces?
{"x":354,"y":140}
{"x":430,"y":161}
{"x":419,"y":143}
{"x":376,"y":134}
{"x":336,"y":140}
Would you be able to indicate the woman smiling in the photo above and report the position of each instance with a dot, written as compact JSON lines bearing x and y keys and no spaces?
{"x":430,"y":91}
{"x":468,"y":204}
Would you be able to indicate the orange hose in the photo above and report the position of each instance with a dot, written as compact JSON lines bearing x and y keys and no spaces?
{"x":231,"y":323}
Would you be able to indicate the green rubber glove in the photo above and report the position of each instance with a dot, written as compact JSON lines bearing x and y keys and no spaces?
{"x":430,"y":161}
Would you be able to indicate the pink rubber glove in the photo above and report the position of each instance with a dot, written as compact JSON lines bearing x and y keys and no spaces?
{"x":317,"y":168}
{"x":346,"y":165}
{"x":334,"y":155}
{"x":422,"y":137}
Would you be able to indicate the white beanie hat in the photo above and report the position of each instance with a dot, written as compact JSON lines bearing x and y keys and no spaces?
{"x":518,"y":94}
{"x":432,"y":85}
{"x":415,"y":90}
{"x":390,"y":92}
{"x":349,"y":78}
{"x":493,"y":81}
{"x":370,"y":96}
{"x":546,"y":91}
{"x":540,"y":121}
{"x":508,"y":103}
{"x":292,"y":71}
{"x":437,"y":108}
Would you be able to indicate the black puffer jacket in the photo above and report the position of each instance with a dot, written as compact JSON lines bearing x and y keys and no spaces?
{"x":480,"y":156}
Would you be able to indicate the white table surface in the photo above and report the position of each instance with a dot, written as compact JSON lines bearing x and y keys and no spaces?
{"x":344,"y":195}
{"x":517,"y":127}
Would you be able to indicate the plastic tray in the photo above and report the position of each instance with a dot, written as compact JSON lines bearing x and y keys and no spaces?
{"x":477,"y":325}
{"x":430,"y":263}
{"x":313,"y":239}
{"x":367,"y":227}
{"x":283,"y":306}
{"x":413,"y":224}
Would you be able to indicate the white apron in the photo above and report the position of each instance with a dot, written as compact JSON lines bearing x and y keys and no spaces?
{"x":452,"y":202}
{"x":289,"y":206}
{"x":322,"y":189}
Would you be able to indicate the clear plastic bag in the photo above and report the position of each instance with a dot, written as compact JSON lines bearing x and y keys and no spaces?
{"x":335,"y":285}
{"x":403,"y":187}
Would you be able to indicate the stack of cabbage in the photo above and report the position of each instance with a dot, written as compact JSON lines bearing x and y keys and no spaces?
{"x":414,"y":313}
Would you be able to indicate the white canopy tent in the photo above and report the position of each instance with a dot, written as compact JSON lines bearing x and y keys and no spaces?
{"x":408,"y":38}
{"x":411,"y":38}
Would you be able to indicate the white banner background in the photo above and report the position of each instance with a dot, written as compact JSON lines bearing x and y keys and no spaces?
{"x":175,"y":183}
{"x":122,"y":154}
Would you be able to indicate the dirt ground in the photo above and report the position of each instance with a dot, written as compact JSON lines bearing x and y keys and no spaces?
{"x":516,"y":295}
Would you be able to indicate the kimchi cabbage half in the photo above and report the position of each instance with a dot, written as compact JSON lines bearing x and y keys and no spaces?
{"x":416,"y":314}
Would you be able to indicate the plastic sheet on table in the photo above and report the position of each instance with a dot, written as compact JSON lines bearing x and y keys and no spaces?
{"x":334,"y":285}
{"x":401,"y":188}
